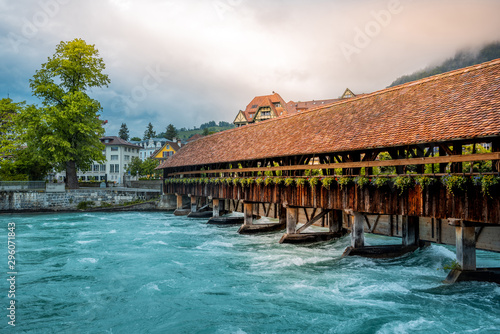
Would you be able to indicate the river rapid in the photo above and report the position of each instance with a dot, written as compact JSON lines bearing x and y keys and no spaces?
{"x":157,"y":273}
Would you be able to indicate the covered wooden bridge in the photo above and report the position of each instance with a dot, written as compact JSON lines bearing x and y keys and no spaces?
{"x":419,"y":161}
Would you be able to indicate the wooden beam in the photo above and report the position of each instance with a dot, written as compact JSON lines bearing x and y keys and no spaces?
{"x":360,"y":164}
{"x":312,"y":221}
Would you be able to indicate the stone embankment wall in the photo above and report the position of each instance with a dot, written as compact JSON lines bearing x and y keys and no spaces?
{"x":66,"y":201}
{"x":147,"y":184}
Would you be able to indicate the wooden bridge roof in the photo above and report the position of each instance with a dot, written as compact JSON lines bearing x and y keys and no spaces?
{"x":462,"y":104}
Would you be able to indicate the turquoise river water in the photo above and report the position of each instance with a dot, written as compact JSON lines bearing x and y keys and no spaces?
{"x":157,"y":273}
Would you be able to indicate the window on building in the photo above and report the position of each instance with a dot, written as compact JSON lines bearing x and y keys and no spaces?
{"x":277,"y":104}
{"x":103,"y":168}
{"x":103,"y":178}
{"x":265,"y":113}
{"x":127,"y":158}
{"x":168,"y":147}
{"x":117,"y":168}
{"x":254,"y":106}
{"x":96,"y":168}
{"x":114,"y":157}
{"x":114,"y":148}
{"x":111,"y":168}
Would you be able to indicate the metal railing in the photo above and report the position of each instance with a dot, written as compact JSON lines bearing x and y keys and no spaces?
{"x":22,"y":185}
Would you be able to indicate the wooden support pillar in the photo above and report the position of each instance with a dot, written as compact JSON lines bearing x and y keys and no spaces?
{"x":248,"y":212}
{"x":194,"y":204}
{"x":292,"y":215}
{"x":179,"y":201}
{"x":216,"y":208}
{"x":357,"y":231}
{"x":466,"y":247}
{"x":335,"y":221}
{"x":410,"y":231}
{"x":282,"y":215}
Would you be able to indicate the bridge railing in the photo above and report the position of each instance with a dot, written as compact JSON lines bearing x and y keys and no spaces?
{"x":330,"y":168}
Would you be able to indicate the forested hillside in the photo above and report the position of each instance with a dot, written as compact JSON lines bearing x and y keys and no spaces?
{"x":460,"y":60}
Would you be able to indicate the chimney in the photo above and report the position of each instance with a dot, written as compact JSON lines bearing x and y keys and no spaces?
{"x":179,"y":142}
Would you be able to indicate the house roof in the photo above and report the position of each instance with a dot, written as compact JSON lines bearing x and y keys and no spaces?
{"x":265,"y":101}
{"x":173,"y":144}
{"x":194,"y":137}
{"x":461,"y":104}
{"x":295,"y":107}
{"x":114,"y":140}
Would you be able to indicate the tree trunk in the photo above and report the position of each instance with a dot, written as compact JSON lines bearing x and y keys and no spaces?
{"x":71,"y":178}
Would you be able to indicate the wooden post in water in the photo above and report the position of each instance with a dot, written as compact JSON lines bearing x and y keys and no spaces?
{"x":248,"y":212}
{"x":282,"y":214}
{"x":410,"y":231}
{"x":179,"y":201}
{"x":466,"y":247}
{"x":215,"y":204}
{"x":193,"y":203}
{"x":335,"y":221}
{"x":357,"y":231}
{"x":292,"y":215}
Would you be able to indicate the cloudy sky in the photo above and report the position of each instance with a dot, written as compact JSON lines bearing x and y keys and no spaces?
{"x":187,"y":62}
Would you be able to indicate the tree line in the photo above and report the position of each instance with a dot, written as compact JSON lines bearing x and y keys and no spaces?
{"x":461,"y":59}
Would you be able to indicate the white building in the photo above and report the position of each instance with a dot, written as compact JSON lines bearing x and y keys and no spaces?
{"x":119,"y":154}
{"x":149,"y":146}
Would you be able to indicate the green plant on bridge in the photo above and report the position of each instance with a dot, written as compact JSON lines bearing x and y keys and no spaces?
{"x":344,"y":181}
{"x":362,"y":181}
{"x":250,"y":181}
{"x":279,"y":180}
{"x":425,"y":181}
{"x":313,"y":181}
{"x":300,"y":182}
{"x":380,"y":181}
{"x":487,"y":183}
{"x":259,"y":181}
{"x":326,"y":182}
{"x":454,"y":183}
{"x":289,"y":181}
{"x":404,"y":183}
{"x":269,"y":180}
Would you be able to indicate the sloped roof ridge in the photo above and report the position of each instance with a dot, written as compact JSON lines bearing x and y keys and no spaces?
{"x":379,"y":92}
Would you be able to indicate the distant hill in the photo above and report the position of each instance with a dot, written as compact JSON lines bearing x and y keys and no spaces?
{"x":185,"y":134}
{"x":460,"y":60}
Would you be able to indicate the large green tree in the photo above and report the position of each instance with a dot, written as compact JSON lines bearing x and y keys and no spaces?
{"x":17,"y":161}
{"x":171,"y":132}
{"x":67,"y":128}
{"x":123,"y":133}
{"x":9,"y":137}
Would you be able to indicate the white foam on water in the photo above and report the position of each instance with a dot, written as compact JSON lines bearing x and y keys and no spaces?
{"x":112,"y":232}
{"x":150,"y":286}
{"x":408,"y":327}
{"x":88,"y":260}
{"x":214,"y":244}
{"x":84,"y":242}
{"x":157,"y":232}
{"x":156,"y":242}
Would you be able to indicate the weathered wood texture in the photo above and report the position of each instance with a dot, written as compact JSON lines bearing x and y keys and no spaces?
{"x":432,"y":202}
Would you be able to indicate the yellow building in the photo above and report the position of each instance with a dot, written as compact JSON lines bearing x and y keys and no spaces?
{"x":167,"y":150}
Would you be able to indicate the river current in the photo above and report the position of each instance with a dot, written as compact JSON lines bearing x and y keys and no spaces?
{"x":158,"y":273}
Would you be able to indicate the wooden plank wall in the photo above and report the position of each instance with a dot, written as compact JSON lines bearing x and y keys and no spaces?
{"x":432,"y":202}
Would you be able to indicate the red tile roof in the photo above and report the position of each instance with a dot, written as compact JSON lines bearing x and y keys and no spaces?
{"x":264,"y":101}
{"x":460,"y":104}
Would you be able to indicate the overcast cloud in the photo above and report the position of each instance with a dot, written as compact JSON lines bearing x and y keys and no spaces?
{"x":189,"y":62}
